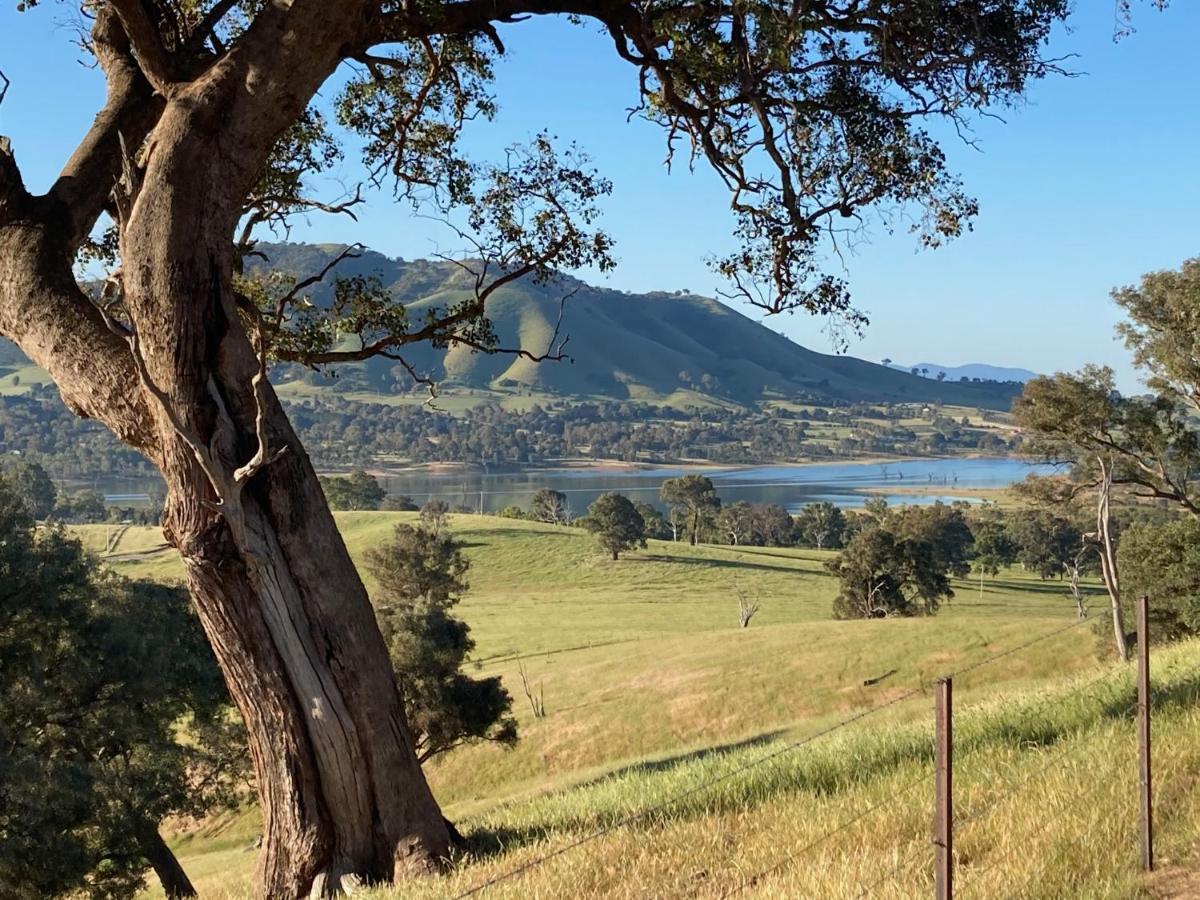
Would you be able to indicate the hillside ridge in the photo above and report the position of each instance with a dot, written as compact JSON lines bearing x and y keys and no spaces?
{"x":656,"y":347}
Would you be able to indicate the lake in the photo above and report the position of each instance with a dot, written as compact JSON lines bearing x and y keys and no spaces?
{"x":845,"y":484}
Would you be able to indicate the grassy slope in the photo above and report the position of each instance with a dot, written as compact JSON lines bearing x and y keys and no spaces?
{"x":638,"y":661}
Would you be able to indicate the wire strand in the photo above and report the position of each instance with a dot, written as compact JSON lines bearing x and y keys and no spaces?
{"x":812,"y":845}
{"x":745,"y":767}
{"x":690,"y":792}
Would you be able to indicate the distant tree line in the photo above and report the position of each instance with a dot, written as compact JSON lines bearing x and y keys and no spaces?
{"x":343,"y":433}
{"x":340,"y":434}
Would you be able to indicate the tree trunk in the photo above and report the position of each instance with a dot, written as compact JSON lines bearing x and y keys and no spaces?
{"x":1108,"y":560}
{"x":175,"y":882}
{"x":615,"y":555}
{"x":343,"y":796}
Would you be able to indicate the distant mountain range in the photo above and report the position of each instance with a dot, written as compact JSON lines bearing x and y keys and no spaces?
{"x":971,"y":371}
{"x":668,"y":348}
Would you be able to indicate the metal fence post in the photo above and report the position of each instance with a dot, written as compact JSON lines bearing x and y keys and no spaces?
{"x":1143,"y":683}
{"x":943,"y":810}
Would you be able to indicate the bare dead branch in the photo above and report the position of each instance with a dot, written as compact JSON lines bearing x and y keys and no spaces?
{"x":537,"y":701}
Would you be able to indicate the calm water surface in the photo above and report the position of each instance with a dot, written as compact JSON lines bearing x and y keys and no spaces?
{"x":845,"y":484}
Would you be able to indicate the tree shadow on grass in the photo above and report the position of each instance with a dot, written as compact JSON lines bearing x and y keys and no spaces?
{"x":709,"y":563}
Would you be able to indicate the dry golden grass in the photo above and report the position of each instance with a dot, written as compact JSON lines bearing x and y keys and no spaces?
{"x":650,"y":689}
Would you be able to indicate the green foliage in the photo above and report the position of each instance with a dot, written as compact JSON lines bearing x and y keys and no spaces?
{"x":96,"y":675}
{"x":399,"y":503}
{"x":993,"y":547}
{"x":653,"y":520}
{"x":1049,"y":544}
{"x":900,"y":563}
{"x":422,"y":576}
{"x":1081,"y":420}
{"x":1162,"y":561}
{"x":82,"y":507}
{"x":695,"y":495}
{"x":1163,"y":330}
{"x":33,"y":485}
{"x":358,"y":490}
{"x":435,"y":516}
{"x":821,"y":525}
{"x":550,"y":506}
{"x":616,"y":522}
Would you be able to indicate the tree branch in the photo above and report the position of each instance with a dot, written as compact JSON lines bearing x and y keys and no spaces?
{"x":146,"y":42}
{"x":84,"y":186}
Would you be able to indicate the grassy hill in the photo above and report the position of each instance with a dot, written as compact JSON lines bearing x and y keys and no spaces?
{"x":650,"y":687}
{"x":676,"y":349}
{"x":652,"y":347}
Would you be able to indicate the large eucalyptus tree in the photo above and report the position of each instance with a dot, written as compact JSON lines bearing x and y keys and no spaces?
{"x":810,"y":112}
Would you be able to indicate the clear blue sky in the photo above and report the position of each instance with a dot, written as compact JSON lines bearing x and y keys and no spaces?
{"x":1091,"y":183}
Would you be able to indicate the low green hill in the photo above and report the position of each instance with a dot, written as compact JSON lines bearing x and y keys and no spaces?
{"x":650,"y":347}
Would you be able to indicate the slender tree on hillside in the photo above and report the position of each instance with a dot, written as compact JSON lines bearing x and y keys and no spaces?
{"x":696,"y":496}
{"x":422,"y":576}
{"x":210,"y":130}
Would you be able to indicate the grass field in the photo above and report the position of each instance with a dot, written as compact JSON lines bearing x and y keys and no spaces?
{"x":650,"y":687}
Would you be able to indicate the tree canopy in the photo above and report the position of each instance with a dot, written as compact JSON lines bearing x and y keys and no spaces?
{"x":97,"y":673}
{"x":210,"y":132}
{"x":422,"y":576}
{"x":616,"y":522}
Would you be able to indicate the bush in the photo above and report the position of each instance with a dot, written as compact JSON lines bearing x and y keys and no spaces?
{"x":422,"y":576}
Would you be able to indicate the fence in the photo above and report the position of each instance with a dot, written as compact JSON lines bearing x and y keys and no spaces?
{"x":939,"y":855}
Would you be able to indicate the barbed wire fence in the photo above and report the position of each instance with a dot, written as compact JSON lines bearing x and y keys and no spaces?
{"x":937,"y":861}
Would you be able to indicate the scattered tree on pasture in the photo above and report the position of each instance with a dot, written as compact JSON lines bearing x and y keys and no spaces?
{"x":422,"y":576}
{"x":696,"y":496}
{"x":993,"y":548}
{"x":652,"y":518}
{"x":1081,"y":422}
{"x":435,"y":516}
{"x":358,"y":490}
{"x":617,"y":523}
{"x":550,"y":506}
{"x":1052,"y":545}
{"x":399,"y":503}
{"x":772,"y":525}
{"x":820,"y":525}
{"x":211,"y":130}
{"x":900,"y":564}
{"x":735,"y":523}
